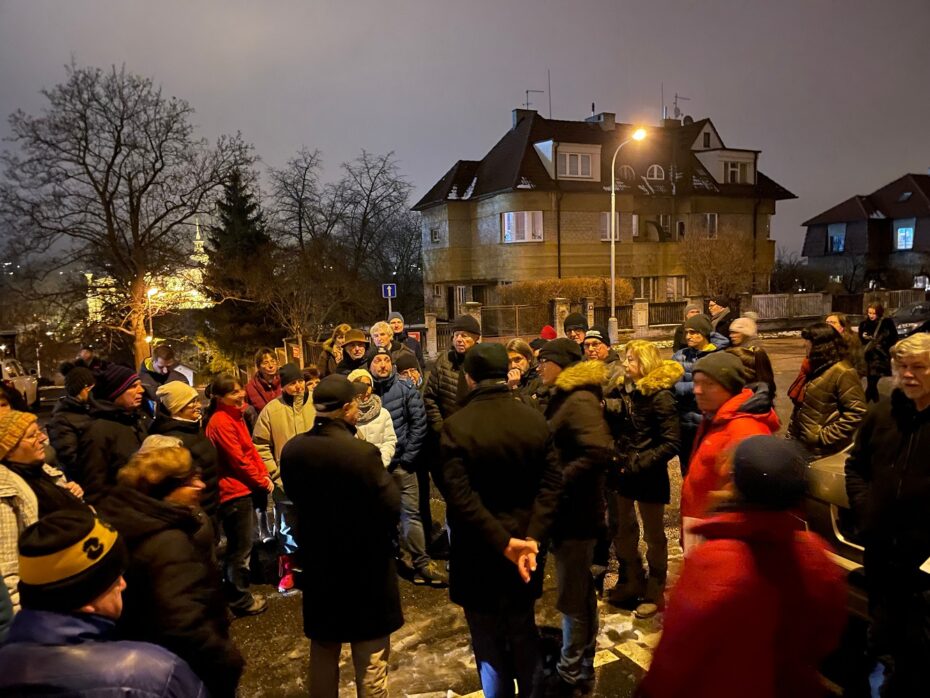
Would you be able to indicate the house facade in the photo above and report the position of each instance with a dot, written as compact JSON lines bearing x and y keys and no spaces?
{"x":538,"y":206}
{"x":879,"y":240}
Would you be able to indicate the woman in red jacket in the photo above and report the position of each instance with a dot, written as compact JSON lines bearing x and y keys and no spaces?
{"x":759,"y":603}
{"x":241,"y":472}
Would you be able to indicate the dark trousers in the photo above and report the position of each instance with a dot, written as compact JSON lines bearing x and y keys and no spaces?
{"x":871,"y":388}
{"x":626,"y":543}
{"x":236,"y":516}
{"x":688,"y":434}
{"x":506,"y":646}
{"x":900,"y":633}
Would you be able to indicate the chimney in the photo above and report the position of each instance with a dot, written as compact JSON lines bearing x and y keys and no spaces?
{"x":671,"y":123}
{"x":521,"y":113}
{"x":606,"y":119}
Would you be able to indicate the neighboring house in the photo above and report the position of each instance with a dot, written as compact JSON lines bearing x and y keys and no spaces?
{"x":881,"y":240}
{"x":538,"y":206}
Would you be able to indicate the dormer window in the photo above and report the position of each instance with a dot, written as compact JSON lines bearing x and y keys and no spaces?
{"x":626,"y":173}
{"x":577,"y":161}
{"x":575,"y":165}
{"x":655,"y":172}
{"x":706,"y":139}
{"x":736,"y":172}
{"x":904,"y":197}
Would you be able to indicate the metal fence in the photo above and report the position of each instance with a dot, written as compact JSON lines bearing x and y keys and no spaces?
{"x":670,"y":313}
{"x":624,"y":316}
{"x":513,"y":320}
{"x":858,"y":303}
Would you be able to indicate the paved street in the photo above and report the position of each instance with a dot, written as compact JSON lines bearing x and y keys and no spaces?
{"x":431,"y":654}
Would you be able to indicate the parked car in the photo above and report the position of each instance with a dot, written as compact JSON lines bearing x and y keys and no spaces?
{"x":26,"y":384}
{"x":827,"y":513}
{"x":911,"y":318}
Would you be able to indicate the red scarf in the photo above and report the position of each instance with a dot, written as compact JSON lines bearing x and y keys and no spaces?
{"x":796,"y":391}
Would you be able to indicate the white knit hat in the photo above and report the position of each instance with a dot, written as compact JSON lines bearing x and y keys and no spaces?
{"x":746,"y":326}
{"x":176,"y":395}
{"x":360,"y":373}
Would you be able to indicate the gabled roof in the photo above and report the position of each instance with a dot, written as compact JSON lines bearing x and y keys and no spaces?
{"x":906,"y":197}
{"x":514,"y":164}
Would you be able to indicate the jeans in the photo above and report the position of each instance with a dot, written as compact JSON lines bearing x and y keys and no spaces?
{"x":626,"y":542}
{"x":285,"y":517}
{"x":412,"y":536}
{"x":236,"y":516}
{"x":506,"y":647}
{"x":577,"y":602}
{"x":369,"y":657}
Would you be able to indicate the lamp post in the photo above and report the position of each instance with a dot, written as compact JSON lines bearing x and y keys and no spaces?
{"x":637,"y":135}
{"x":151,"y":293}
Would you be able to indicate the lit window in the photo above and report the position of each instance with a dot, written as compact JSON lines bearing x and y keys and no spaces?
{"x":836,"y":238}
{"x":710,"y":224}
{"x":634,"y":224}
{"x":655,"y":172}
{"x":836,"y":278}
{"x":434,"y":236}
{"x":904,"y":233}
{"x":575,"y":165}
{"x":522,"y":226}
{"x":605,"y":225}
{"x":627,"y":173}
{"x":922,"y":281}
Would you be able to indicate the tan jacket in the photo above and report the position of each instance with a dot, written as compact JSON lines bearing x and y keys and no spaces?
{"x":277,"y":424}
{"x":834,"y":404}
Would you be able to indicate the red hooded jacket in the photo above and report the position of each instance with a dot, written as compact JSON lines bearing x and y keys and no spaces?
{"x":716,"y":437}
{"x":757,"y":608}
{"x":241,"y":470}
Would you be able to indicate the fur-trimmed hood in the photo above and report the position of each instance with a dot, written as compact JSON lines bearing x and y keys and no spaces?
{"x":581,"y":374}
{"x":662,"y":378}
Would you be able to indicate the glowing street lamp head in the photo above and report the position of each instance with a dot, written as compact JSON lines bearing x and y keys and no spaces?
{"x":151,"y":292}
{"x":639,"y":134}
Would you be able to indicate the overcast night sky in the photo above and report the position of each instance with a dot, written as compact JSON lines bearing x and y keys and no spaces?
{"x":833,"y":92}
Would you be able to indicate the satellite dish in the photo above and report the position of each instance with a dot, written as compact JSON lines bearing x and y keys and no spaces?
{"x":688,"y":120}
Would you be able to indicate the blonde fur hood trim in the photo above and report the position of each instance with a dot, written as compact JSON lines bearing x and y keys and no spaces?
{"x":582,"y":373}
{"x":662,"y":378}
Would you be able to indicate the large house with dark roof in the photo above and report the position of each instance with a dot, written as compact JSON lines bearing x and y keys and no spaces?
{"x":538,"y":206}
{"x":881,"y":240}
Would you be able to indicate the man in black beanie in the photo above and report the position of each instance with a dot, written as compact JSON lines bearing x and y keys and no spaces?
{"x":71,"y":566}
{"x":575,"y":326}
{"x":502,"y":493}
{"x":71,"y":417}
{"x":116,"y":430}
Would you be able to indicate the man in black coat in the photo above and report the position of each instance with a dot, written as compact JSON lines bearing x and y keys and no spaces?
{"x":888,"y":483}
{"x":116,"y":430}
{"x":71,"y":416}
{"x":502,"y":494}
{"x":348,"y":508}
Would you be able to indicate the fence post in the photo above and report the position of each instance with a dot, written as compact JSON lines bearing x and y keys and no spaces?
{"x":472,"y":308}
{"x":589,"y":311}
{"x":560,"y":307}
{"x":429,"y":319}
{"x":640,"y":317}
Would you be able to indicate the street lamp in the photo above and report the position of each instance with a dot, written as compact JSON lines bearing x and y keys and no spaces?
{"x":151,"y":293}
{"x":637,"y":135}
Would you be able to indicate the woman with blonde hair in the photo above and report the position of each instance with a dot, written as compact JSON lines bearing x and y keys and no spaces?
{"x":173,"y":596}
{"x":332,"y":350}
{"x":647,"y":434}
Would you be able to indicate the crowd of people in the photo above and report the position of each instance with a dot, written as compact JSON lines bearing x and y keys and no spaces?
{"x":130,"y":534}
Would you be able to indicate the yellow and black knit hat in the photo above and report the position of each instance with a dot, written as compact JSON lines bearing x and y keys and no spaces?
{"x":67,"y":559}
{"x":13,"y":427}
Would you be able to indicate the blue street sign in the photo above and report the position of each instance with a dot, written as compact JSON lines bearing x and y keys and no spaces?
{"x":389,"y":290}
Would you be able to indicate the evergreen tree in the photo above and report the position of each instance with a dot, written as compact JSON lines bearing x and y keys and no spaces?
{"x":241,"y":265}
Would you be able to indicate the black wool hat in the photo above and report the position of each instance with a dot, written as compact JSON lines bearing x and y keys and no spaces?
{"x":466,"y":323}
{"x":725,"y":368}
{"x":575,"y":321}
{"x":486,"y":362}
{"x":377,"y":351}
{"x":77,"y":379}
{"x":113,"y":381}
{"x":538,"y":343}
{"x":288,"y":373}
{"x":700,"y":323}
{"x":334,"y":391}
{"x":405,"y":361}
{"x":599,"y":333}
{"x":562,"y":351}
{"x":769,"y":473}
{"x":67,"y":559}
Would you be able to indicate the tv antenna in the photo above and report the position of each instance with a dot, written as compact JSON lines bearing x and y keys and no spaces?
{"x":678,"y":111}
{"x":527,"y":103}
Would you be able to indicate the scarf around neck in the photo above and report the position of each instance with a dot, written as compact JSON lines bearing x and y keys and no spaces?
{"x":369,"y":409}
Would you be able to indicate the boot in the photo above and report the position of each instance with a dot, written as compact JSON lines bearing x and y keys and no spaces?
{"x":631,"y":583}
{"x":265,"y":527}
{"x":285,"y":573}
{"x":653,"y":599}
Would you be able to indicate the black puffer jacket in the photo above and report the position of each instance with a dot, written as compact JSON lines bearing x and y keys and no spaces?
{"x":69,"y":419}
{"x":833,"y":406}
{"x":647,"y":434}
{"x":203,"y":453}
{"x":106,"y":445}
{"x":499,"y":483}
{"x":446,"y":388}
{"x":888,"y":483}
{"x":583,"y":449}
{"x":877,"y":337}
{"x":173,"y":595}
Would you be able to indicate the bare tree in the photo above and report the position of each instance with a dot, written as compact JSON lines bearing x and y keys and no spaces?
{"x":109,"y":178}
{"x":718,"y":266}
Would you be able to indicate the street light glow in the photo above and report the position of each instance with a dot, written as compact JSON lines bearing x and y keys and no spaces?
{"x":639,"y":134}
{"x":151,"y":292}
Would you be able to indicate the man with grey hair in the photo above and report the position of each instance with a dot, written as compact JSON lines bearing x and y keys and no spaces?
{"x":888,"y":483}
{"x":383,"y":336}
